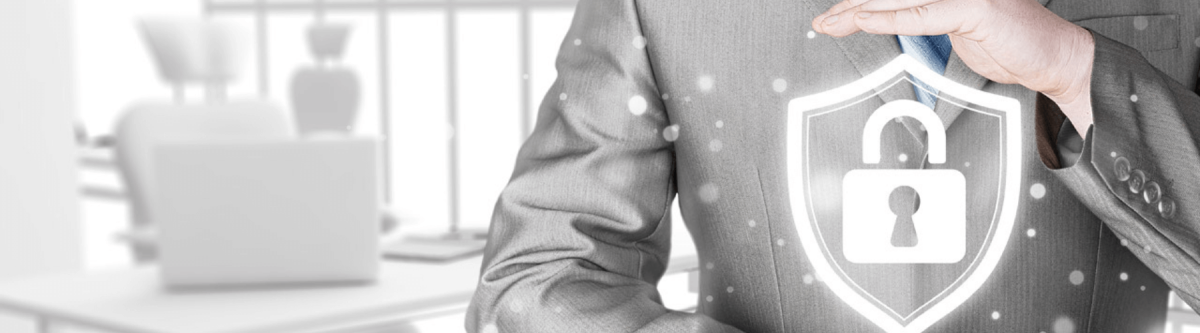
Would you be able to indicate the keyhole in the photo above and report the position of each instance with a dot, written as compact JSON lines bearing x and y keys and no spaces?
{"x":904,"y":202}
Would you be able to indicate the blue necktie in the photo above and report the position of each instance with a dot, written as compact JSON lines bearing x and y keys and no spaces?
{"x":934,"y":52}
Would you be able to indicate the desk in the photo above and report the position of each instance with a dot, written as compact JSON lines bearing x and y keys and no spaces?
{"x":134,"y":301}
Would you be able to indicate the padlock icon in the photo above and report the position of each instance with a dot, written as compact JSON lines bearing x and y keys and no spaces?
{"x":869,"y":220}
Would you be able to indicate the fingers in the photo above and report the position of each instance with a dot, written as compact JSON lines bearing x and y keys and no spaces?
{"x":893,"y":5}
{"x":824,"y":21}
{"x":936,"y":18}
{"x":837,"y":24}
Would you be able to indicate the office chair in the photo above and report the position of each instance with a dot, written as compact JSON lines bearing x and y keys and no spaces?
{"x":188,"y":52}
{"x":144,"y":127}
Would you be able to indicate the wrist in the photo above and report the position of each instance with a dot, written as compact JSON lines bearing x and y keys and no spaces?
{"x":1073,"y":94}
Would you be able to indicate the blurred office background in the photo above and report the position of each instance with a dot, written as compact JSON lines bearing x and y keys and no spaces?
{"x":450,"y":87}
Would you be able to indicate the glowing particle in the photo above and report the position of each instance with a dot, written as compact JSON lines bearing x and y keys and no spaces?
{"x":752,"y":223}
{"x":666,"y":96}
{"x":808,"y":279}
{"x":1141,"y":23}
{"x":562,"y":96}
{"x":578,"y":42}
{"x":780,"y":85}
{"x":903,"y":157}
{"x":812,"y":34}
{"x":708,"y":298}
{"x":715,"y":145}
{"x":1037,"y":190}
{"x":637,"y":105}
{"x":1133,"y":98}
{"x":1064,"y":325}
{"x":995,"y":315}
{"x":705,"y":83}
{"x":639,"y":42}
{"x":1031,"y":233}
{"x":671,"y":133}
{"x":708,"y":193}
{"x":1124,"y":242}
{"x":780,"y":242}
{"x":1124,"y":276}
{"x":729,"y":289}
{"x":1076,"y":277}
{"x":720,"y":124}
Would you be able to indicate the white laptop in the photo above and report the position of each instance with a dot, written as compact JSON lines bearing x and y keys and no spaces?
{"x":267,"y":213}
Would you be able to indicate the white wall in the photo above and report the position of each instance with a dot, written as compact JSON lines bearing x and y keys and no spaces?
{"x":39,"y":229}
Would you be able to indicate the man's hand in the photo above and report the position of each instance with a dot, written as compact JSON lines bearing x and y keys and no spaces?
{"x":1011,"y":41}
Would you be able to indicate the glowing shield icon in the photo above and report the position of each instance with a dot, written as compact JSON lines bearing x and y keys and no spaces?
{"x":846,"y":214}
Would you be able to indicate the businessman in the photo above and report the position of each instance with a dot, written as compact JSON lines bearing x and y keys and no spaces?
{"x":669,"y":97}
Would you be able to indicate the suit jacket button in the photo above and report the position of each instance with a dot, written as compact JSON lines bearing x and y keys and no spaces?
{"x":1137,"y":180}
{"x":1166,"y":208}
{"x":1121,"y":168}
{"x":1152,"y":192}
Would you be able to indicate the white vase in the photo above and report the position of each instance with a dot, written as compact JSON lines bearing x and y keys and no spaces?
{"x":325,"y":96}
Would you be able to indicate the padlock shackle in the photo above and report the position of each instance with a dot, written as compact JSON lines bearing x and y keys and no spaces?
{"x":873,"y":130}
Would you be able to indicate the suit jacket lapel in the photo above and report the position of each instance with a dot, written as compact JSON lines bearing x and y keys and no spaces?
{"x":957,"y":71}
{"x":869,"y":53}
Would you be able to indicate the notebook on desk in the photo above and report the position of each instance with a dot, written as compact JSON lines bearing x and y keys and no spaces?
{"x":267,"y":213}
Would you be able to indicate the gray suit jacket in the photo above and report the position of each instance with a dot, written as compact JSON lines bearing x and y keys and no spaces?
{"x":580,"y":236}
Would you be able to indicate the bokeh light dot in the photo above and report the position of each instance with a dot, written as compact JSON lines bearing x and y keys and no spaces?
{"x":1141,"y":23}
{"x":1031,"y":232}
{"x":637,"y":105}
{"x":671,"y":133}
{"x":708,"y":193}
{"x":812,"y":34}
{"x":1076,"y":277}
{"x":705,"y":83}
{"x":1064,"y":325}
{"x":715,"y":145}
{"x":779,"y":85}
{"x":1037,"y":190}
{"x":1124,"y":276}
{"x":639,"y":42}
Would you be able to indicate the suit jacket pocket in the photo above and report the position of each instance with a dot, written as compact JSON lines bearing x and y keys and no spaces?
{"x":1146,"y":33}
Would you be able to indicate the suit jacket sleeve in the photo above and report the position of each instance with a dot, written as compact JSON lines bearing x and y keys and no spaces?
{"x":1138,"y":168}
{"x":580,"y":236}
